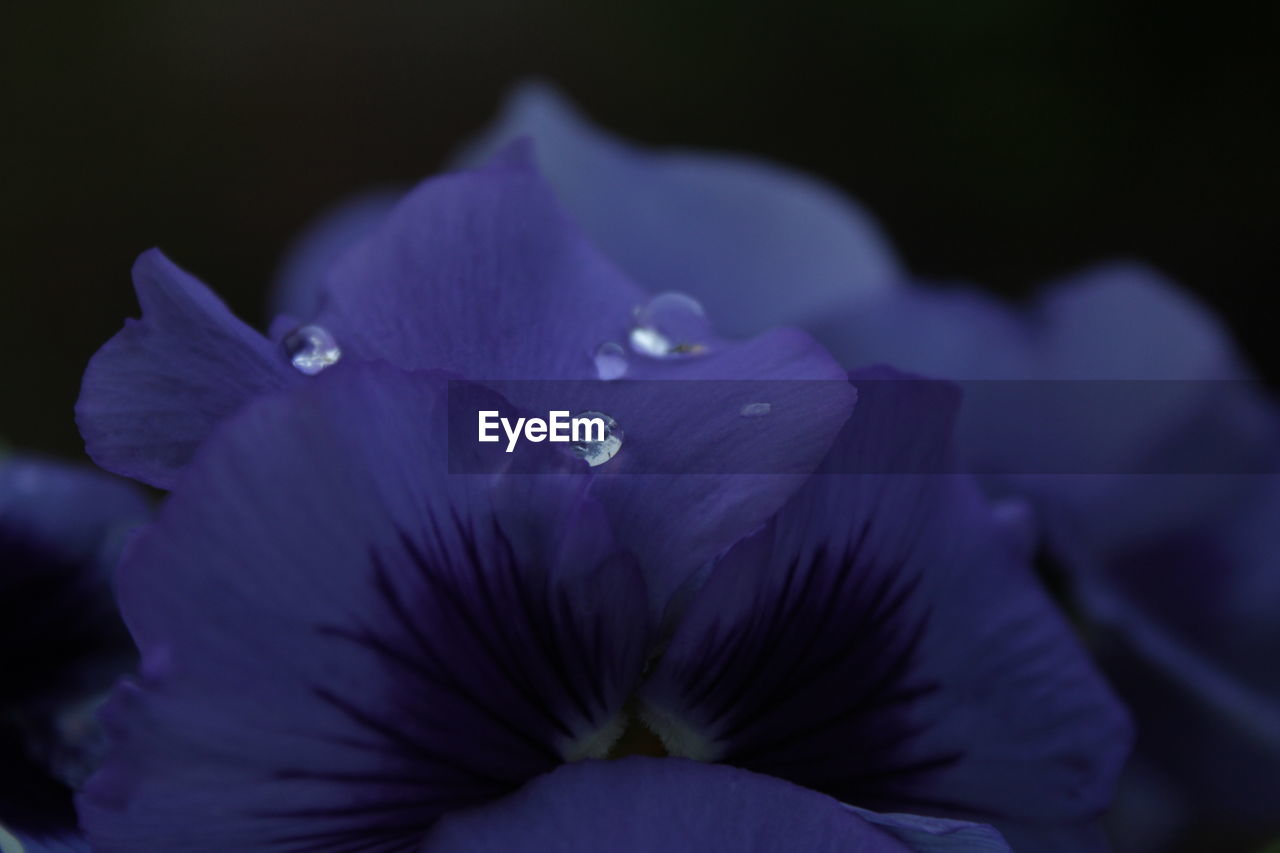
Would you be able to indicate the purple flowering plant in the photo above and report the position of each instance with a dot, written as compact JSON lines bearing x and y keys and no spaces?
{"x":809,"y":618}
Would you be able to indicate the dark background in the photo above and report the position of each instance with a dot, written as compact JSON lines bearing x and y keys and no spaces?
{"x":1001,"y":141}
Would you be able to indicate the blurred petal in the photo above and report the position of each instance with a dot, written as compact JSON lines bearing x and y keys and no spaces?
{"x":1194,"y":640}
{"x":299,"y":286}
{"x":1195,"y":407}
{"x":949,"y":333}
{"x":1112,"y":321}
{"x":156,"y":389}
{"x":885,"y":641}
{"x":760,"y":245}
{"x":637,"y":805}
{"x":61,"y":640}
{"x":16,"y":842}
{"x":341,"y":642}
{"x":69,"y":511}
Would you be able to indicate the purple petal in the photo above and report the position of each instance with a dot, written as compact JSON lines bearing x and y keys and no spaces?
{"x":884,"y":640}
{"x":758,"y":244}
{"x":70,"y":512}
{"x":1112,"y":321}
{"x":61,"y":527}
{"x":480,"y":273}
{"x":1193,"y":406}
{"x":646,"y":804}
{"x":936,"y":835}
{"x":61,"y":639}
{"x":156,"y":389}
{"x":1194,"y":638}
{"x":341,"y":642}
{"x":299,"y":286}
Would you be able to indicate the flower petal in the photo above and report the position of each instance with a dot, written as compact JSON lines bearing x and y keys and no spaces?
{"x":341,"y":642}
{"x":884,"y":640}
{"x":298,"y":290}
{"x":156,"y":389}
{"x":61,"y":639}
{"x":645,"y":804}
{"x":760,"y":245}
{"x":936,"y":835}
{"x":481,"y":273}
{"x":1193,"y":643}
{"x":68,"y":511}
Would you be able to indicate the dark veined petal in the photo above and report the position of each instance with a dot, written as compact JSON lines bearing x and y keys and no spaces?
{"x":885,"y":641}
{"x":341,"y":642}
{"x":156,"y":389}
{"x":757,"y":243}
{"x":638,"y":805}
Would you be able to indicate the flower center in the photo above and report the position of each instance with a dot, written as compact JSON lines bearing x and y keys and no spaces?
{"x":637,"y":739}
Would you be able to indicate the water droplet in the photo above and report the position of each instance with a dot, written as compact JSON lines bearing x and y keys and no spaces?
{"x":589,"y":444}
{"x":670,"y":325}
{"x":755,"y":410}
{"x":311,"y":349}
{"x":611,"y":361}
{"x":650,"y":342}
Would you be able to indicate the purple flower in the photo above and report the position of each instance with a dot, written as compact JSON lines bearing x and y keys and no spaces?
{"x":61,"y":640}
{"x":346,"y":647}
{"x":1156,"y":560}
{"x":478,"y":273}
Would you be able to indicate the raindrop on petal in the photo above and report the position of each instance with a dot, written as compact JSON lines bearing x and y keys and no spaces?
{"x":755,"y":410}
{"x":650,"y":342}
{"x":591,"y":443}
{"x":670,"y":325}
{"x":668,"y":306}
{"x":311,"y":349}
{"x":611,"y":361}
